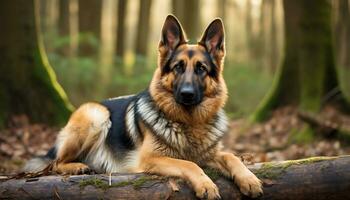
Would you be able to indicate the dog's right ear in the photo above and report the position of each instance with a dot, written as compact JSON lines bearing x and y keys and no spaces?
{"x":172,"y":35}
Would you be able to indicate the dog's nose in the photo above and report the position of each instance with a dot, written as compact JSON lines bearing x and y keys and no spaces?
{"x":187,"y":92}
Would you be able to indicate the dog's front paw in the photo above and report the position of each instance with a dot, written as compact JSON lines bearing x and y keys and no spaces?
{"x":206,"y":189}
{"x":249,"y":185}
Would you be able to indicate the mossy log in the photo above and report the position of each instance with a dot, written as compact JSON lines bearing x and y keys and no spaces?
{"x":313,"y":178}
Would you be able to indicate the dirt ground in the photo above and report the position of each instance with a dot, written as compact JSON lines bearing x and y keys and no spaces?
{"x":268,"y":141}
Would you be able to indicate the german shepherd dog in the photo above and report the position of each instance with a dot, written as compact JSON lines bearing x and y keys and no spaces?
{"x":170,"y":129}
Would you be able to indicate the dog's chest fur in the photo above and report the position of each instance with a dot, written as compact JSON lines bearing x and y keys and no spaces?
{"x":194,"y":142}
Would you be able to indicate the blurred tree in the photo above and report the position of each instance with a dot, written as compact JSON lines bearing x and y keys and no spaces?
{"x":63,"y":20}
{"x":90,"y":13}
{"x":121,"y":20}
{"x":268,"y":35}
{"x":49,"y":14}
{"x":188,"y":12}
{"x":27,"y":82}
{"x":143,"y":27}
{"x":273,"y":59}
{"x":221,"y":9}
{"x":68,"y":27}
{"x":307,"y":77}
{"x":343,"y":33}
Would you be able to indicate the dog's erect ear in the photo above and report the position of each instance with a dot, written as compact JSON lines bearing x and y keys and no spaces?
{"x":213,"y":39}
{"x":172,"y":34}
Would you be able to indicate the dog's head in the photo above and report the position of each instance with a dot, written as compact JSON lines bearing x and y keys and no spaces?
{"x":190,"y":74}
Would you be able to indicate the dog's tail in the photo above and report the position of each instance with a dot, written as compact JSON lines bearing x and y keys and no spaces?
{"x":41,"y":162}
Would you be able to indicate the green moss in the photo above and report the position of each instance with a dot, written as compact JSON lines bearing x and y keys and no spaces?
{"x":101,"y":184}
{"x":212,"y":173}
{"x":275,"y":170}
{"x":138,"y":183}
{"x":97,"y":183}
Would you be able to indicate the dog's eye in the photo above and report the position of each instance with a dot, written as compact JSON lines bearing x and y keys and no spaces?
{"x":200,"y":68}
{"x":179,"y":67}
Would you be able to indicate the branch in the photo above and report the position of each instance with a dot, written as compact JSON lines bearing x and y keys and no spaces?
{"x":313,"y":178}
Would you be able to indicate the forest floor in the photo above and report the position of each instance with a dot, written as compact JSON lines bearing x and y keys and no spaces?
{"x":268,"y":141}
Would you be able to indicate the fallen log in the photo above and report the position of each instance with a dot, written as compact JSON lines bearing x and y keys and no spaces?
{"x":313,"y":178}
{"x":325,"y":125}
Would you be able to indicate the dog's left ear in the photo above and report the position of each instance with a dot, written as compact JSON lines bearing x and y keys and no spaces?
{"x":213,"y":39}
{"x":172,"y":34}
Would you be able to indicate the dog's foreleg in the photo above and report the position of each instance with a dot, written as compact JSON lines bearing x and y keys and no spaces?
{"x":231,"y":166}
{"x":189,"y":171}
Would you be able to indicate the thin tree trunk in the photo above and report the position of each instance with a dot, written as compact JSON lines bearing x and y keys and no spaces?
{"x":121,"y":28}
{"x":63,"y":22}
{"x":63,"y":25}
{"x":343,"y":33}
{"x":143,"y":27}
{"x":318,"y":178}
{"x":49,"y":22}
{"x":249,"y":30}
{"x":273,"y":38}
{"x":73,"y":28}
{"x":90,"y":12}
{"x":27,"y":82}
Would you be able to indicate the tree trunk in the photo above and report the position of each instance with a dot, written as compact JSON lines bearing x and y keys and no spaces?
{"x":143,"y":27}
{"x":63,"y":20}
{"x":90,"y":12}
{"x":318,"y":178}
{"x":49,"y":22}
{"x":68,"y":27}
{"x":188,"y":12}
{"x":343,"y":33}
{"x":307,"y":74}
{"x":221,"y":10}
{"x":27,"y":82}
{"x":342,"y":41}
{"x":273,"y":37}
{"x":121,"y":28}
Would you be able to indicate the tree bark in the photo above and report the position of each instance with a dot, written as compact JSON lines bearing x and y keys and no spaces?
{"x":321,"y":178}
{"x":90,"y":13}
{"x":28,"y":84}
{"x":342,"y":40}
{"x":121,"y":28}
{"x":308,"y":72}
{"x":143,"y":27}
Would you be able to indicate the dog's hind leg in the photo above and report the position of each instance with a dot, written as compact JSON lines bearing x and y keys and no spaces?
{"x":78,"y":137}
